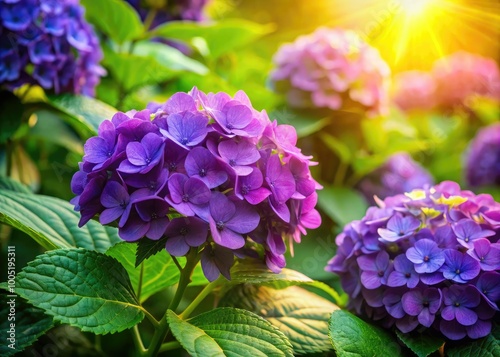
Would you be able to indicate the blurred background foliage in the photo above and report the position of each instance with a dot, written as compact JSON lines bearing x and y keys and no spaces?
{"x":42,"y":134}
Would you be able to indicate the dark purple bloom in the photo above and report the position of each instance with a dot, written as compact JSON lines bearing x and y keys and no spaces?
{"x":151,"y":220}
{"x":144,"y":156}
{"x":375,"y":269}
{"x":168,"y":160}
{"x":216,"y":260}
{"x":187,"y":194}
{"x":459,"y":267}
{"x":250,"y":187}
{"x":467,"y":231}
{"x":486,"y":253}
{"x":239,"y":155}
{"x":423,"y":303}
{"x":399,"y":227}
{"x":115,"y":199}
{"x":184,"y":233}
{"x":426,"y":256}
{"x":392,"y":301}
{"x":403,"y":274}
{"x":202,"y":164}
{"x":55,"y":49}
{"x":459,"y":302}
{"x":229,"y":220}
{"x":186,"y":129}
{"x":483,"y":158}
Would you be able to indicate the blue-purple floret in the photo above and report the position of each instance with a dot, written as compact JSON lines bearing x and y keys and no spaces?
{"x":48,"y":43}
{"x":482,"y":167}
{"x":204,"y":171}
{"x":427,"y":258}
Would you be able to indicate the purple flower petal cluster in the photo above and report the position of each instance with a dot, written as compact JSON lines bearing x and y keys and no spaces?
{"x":483,"y":157}
{"x":430,"y":258}
{"x":399,"y":174}
{"x":48,"y":43}
{"x":332,"y":68}
{"x":452,"y":80}
{"x":202,"y":171}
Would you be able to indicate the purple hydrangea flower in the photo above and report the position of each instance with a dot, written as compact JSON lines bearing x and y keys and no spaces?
{"x":483,"y":157}
{"x":444,"y":274}
{"x":399,"y":227}
{"x":332,"y":68}
{"x":426,"y":256}
{"x":57,"y":50}
{"x":459,"y":266}
{"x":399,"y":174}
{"x":207,"y":173}
{"x":422,"y":303}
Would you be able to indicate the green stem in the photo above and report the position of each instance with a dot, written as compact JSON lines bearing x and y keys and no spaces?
{"x":184,"y":280}
{"x":340,"y":174}
{"x":176,"y":262}
{"x":138,"y":340}
{"x":201,"y":296}
{"x":173,"y":345}
{"x":149,"y":19}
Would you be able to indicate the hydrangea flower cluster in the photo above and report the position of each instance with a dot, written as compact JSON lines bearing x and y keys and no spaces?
{"x":414,"y":90}
{"x":452,"y":80}
{"x":483,"y":158}
{"x":49,"y":43}
{"x":399,"y":174}
{"x":427,"y":258}
{"x":464,"y":74}
{"x":331,"y":68}
{"x":229,"y":175}
{"x":176,"y":10}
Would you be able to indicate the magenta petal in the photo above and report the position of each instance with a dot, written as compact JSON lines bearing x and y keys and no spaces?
{"x":245,"y":220}
{"x":176,"y":187}
{"x":255,"y":197}
{"x":226,"y":237}
{"x":180,"y":102}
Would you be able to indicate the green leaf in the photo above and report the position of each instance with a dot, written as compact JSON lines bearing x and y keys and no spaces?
{"x":301,"y":315}
{"x":159,"y":271}
{"x":84,"y":114}
{"x":352,"y":337}
{"x":422,"y":344}
{"x":147,"y":248}
{"x":26,"y":322}
{"x":488,"y":346}
{"x":52,"y":222}
{"x":221,"y":37}
{"x":338,"y":147}
{"x":82,"y":288}
{"x":258,"y":273}
{"x":342,"y":204}
{"x":229,"y":332}
{"x":169,"y":57}
{"x":115,"y":18}
{"x":11,"y":111}
{"x":12,"y":185}
{"x":51,"y":128}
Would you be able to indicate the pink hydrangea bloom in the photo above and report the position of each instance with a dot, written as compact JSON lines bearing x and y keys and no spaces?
{"x":414,"y":90}
{"x":331,"y":68}
{"x":462,"y":75}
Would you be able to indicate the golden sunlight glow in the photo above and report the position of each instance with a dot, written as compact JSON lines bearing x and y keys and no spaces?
{"x":413,"y":34}
{"x":414,"y":8}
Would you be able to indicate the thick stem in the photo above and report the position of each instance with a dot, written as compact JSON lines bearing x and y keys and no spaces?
{"x":138,"y":340}
{"x":201,"y":296}
{"x":168,"y":346}
{"x":184,"y":280}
